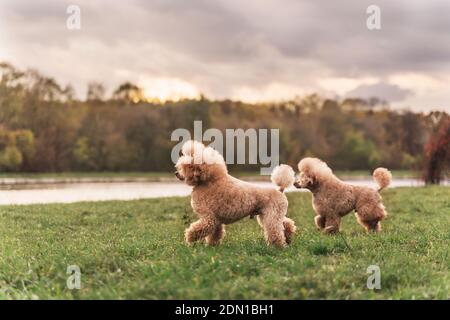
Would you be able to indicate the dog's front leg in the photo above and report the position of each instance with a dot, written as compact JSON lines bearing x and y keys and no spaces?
{"x":320,"y":222}
{"x":216,"y":236}
{"x":332,"y":224}
{"x":199,"y":230}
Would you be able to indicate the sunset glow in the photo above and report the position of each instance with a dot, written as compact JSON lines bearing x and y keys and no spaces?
{"x":169,"y":89}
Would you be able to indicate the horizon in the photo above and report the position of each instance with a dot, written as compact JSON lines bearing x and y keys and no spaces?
{"x":148,"y":99}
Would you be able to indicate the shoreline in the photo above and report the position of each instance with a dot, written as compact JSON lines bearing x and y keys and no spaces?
{"x":124,"y":177}
{"x":163,"y":179}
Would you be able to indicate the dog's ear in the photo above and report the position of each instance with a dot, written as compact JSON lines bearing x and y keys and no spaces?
{"x":197,"y":174}
{"x":313,"y":182}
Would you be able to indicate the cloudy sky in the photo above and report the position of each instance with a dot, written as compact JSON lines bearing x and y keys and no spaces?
{"x":251,"y":50}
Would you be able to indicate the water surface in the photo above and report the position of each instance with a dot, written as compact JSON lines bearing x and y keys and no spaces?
{"x":101,"y":191}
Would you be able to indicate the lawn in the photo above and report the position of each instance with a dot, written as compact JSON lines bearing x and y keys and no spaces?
{"x":135,"y":250}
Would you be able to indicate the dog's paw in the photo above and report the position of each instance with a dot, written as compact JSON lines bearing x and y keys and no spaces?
{"x":331,"y":230}
{"x":188,"y":239}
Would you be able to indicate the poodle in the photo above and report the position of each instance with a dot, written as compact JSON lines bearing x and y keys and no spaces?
{"x":220,"y":199}
{"x":333,"y":198}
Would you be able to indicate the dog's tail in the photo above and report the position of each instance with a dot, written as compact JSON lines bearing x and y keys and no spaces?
{"x":382,"y":177}
{"x":283,"y":176}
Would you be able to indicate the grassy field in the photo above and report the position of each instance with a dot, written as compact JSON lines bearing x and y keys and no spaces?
{"x":135,"y":249}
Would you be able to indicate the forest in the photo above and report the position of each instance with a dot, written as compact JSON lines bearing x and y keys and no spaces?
{"x":45,"y":128}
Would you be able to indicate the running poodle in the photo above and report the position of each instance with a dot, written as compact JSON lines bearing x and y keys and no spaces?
{"x":220,"y":199}
{"x":333,"y":198}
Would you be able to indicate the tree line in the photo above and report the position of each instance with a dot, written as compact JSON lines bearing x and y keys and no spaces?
{"x":44,"y":128}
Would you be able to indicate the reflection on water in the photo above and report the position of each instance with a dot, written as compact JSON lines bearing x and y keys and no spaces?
{"x":74,"y":192}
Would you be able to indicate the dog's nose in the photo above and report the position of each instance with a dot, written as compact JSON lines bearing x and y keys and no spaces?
{"x":179,"y":176}
{"x":297,"y":185}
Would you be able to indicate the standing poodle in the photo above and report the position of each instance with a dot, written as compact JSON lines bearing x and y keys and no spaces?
{"x":220,"y":199}
{"x":333,"y":198}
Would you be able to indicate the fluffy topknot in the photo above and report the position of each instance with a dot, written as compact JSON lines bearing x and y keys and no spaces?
{"x":212,"y":156}
{"x":199,"y":154}
{"x":193,"y":149}
{"x":314,"y":166}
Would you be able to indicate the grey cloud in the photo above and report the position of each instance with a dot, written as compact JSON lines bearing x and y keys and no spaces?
{"x":221,"y":44}
{"x":389,"y":92}
{"x":413,"y":35}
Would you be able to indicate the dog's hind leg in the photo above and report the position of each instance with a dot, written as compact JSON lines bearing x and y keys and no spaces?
{"x":289,"y":229}
{"x":216,"y":236}
{"x":374,"y":226}
{"x":199,"y":230}
{"x":369,"y":225}
{"x":273,"y":228}
{"x":369,"y":217}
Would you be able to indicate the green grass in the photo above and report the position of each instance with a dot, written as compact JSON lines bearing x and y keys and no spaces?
{"x":135,"y":249}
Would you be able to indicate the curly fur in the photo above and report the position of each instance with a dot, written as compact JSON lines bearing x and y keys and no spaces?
{"x":220,"y":199}
{"x":333,"y":198}
{"x":383,"y":177}
{"x":283,"y":176}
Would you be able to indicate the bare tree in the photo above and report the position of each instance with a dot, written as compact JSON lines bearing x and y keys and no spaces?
{"x":437,"y":154}
{"x":95,"y":92}
{"x":129,"y":93}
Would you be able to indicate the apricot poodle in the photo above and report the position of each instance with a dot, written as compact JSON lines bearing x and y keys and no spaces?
{"x":220,"y":199}
{"x":333,"y":198}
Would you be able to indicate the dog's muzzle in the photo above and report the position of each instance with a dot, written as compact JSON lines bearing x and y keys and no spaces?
{"x":179,"y":176}
{"x":297,"y":185}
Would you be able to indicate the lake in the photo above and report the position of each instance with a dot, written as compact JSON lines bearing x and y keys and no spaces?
{"x":32,"y":193}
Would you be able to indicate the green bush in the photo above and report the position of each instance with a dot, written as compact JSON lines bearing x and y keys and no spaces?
{"x":357,"y":152}
{"x":10,"y":158}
